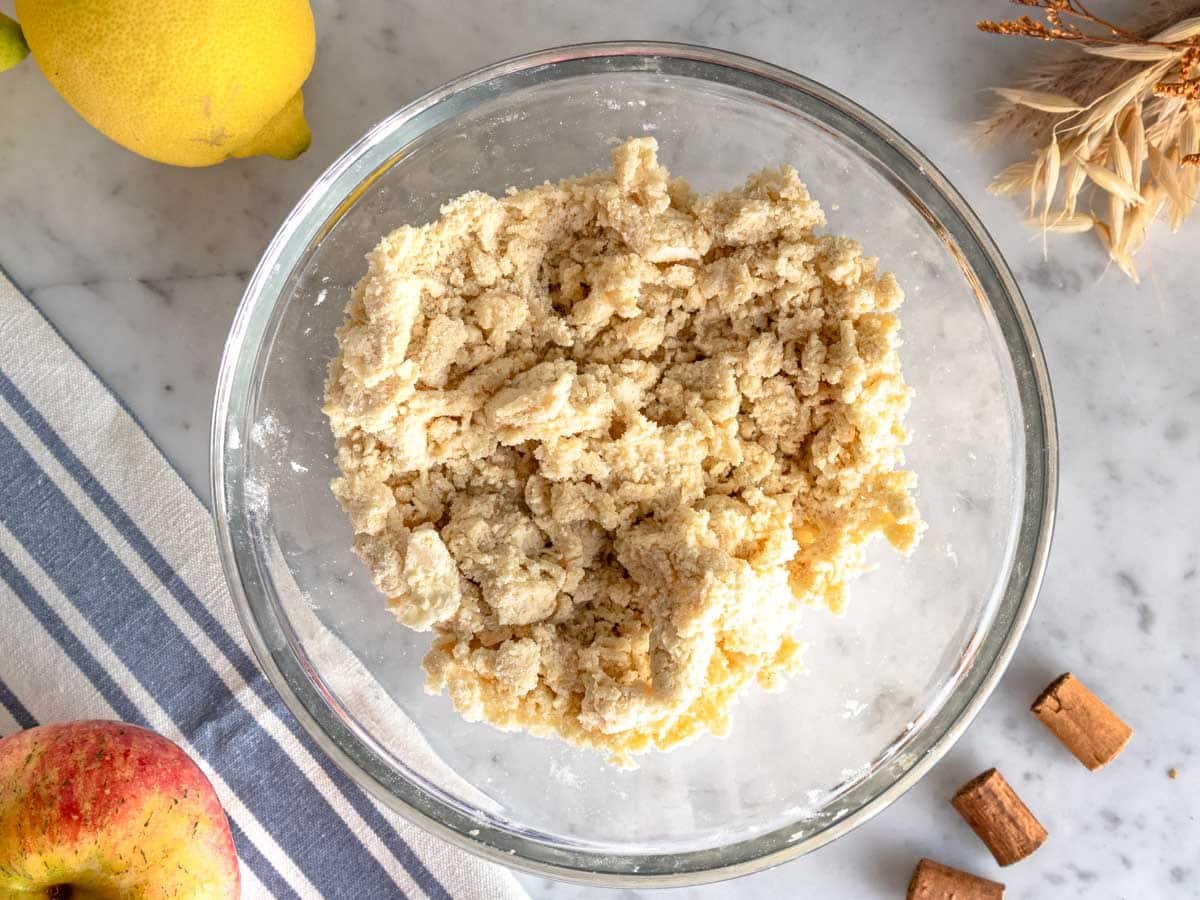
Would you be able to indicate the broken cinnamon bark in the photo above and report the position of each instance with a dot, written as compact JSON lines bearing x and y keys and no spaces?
{"x":1087,"y":727}
{"x":997,"y":815}
{"x":933,"y":881}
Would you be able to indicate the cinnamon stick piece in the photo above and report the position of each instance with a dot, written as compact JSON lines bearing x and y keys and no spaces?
{"x":1078,"y":718}
{"x":997,"y":815}
{"x":933,"y":881}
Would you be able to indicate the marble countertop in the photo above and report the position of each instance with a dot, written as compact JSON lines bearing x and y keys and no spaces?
{"x":141,"y":267}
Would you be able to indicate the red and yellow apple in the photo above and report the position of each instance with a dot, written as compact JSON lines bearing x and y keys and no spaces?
{"x":98,"y":810}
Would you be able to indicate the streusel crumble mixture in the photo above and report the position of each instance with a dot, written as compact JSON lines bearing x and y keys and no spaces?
{"x":606,"y":437}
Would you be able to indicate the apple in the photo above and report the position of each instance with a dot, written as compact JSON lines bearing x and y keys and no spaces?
{"x":98,"y":810}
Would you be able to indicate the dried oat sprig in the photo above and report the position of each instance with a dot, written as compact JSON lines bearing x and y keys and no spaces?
{"x":1072,"y":22}
{"x":1119,"y":133}
{"x":1185,"y":90}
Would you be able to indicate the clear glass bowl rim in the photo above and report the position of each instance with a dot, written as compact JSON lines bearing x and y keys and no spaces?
{"x":271,"y":638}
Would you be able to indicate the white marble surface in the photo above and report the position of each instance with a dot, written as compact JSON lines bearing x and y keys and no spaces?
{"x":141,"y":267}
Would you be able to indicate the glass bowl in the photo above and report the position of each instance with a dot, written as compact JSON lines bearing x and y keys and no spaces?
{"x":889,"y":685}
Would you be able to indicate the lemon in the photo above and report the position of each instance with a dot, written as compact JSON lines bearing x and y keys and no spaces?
{"x":13,"y":48}
{"x":186,"y":82}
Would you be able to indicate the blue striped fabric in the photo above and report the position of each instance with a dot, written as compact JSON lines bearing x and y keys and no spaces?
{"x":16,"y":710}
{"x":102,"y":608}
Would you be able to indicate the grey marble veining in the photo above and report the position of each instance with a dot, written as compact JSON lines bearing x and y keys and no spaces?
{"x":141,"y":267}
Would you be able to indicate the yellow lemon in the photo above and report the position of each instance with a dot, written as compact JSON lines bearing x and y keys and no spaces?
{"x":186,"y":82}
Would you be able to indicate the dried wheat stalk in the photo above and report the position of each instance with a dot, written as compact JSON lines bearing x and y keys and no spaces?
{"x":1118,"y":129}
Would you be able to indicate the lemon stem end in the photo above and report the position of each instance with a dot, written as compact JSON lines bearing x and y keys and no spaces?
{"x":13,"y":47}
{"x":285,"y":136}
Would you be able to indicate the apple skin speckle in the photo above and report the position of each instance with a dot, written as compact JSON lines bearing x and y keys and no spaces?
{"x":116,"y":804}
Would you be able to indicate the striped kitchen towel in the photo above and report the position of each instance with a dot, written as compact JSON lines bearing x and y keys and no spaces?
{"x":113,"y":605}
